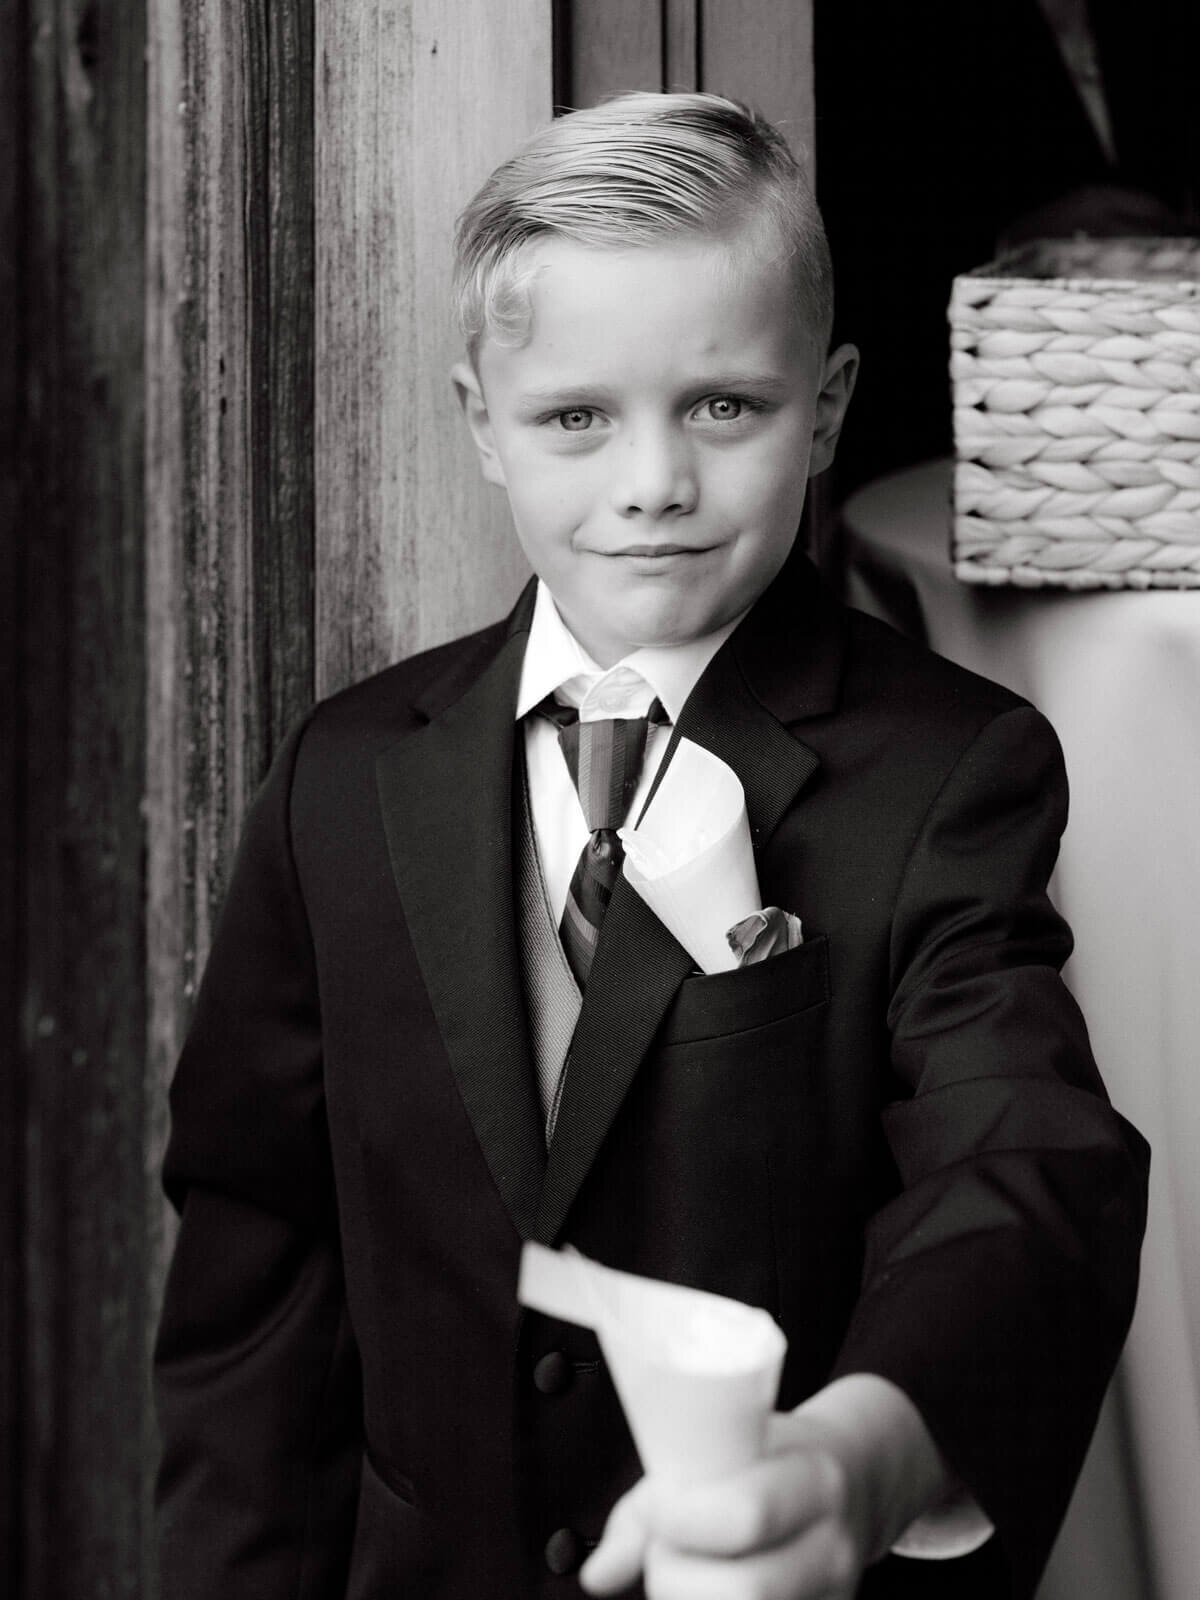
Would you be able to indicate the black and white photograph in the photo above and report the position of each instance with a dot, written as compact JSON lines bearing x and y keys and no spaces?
{"x":599,"y":799}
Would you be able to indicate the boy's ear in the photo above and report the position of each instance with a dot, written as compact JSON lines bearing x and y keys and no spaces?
{"x":470,"y":397}
{"x":837,"y":385}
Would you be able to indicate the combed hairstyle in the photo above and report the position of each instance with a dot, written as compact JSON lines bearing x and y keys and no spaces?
{"x":635,"y":170}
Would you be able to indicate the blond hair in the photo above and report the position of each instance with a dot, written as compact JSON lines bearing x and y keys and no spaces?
{"x":635,"y":170}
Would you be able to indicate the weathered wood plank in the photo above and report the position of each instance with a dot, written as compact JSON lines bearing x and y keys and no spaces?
{"x":681,"y":44}
{"x":228,"y":482}
{"x":615,"y":47}
{"x":80,"y":524}
{"x":756,"y":50}
{"x":282,"y":294}
{"x":230,"y":458}
{"x":212,"y":712}
{"x":167,"y":887}
{"x":761,"y":51}
{"x":416,"y":101}
{"x":12,"y":1121}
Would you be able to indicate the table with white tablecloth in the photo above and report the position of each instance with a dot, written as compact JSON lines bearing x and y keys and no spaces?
{"x":1118,"y":674}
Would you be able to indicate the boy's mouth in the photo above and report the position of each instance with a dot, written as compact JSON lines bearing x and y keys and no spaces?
{"x":654,"y":551}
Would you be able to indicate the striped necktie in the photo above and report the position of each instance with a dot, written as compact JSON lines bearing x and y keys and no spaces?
{"x":604,"y":759}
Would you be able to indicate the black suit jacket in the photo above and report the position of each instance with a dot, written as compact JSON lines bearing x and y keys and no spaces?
{"x":893,"y":1137}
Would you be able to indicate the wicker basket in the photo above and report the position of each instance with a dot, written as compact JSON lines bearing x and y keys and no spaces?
{"x":1076,"y":370}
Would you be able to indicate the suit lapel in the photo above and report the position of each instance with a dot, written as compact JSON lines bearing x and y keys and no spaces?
{"x":446,"y":795}
{"x":782,"y":664}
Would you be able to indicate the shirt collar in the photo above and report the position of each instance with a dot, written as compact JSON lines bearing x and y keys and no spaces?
{"x":554,"y":660}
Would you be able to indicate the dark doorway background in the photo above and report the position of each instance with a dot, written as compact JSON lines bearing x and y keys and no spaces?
{"x":944,"y":126}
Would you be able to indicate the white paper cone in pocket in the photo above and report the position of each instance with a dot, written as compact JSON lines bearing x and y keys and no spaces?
{"x":690,"y":857}
{"x":696,"y":1373}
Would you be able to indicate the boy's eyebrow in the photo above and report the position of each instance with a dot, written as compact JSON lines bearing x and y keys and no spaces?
{"x":561,"y":399}
{"x":564,"y":397}
{"x":765,"y":382}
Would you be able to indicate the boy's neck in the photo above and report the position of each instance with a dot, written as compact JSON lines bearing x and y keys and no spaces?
{"x":555,"y":656}
{"x":709,"y":642}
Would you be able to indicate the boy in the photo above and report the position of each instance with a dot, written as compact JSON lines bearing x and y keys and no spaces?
{"x":436,"y":1021}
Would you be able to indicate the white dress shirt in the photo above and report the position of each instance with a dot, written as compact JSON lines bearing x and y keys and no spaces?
{"x":556,"y":663}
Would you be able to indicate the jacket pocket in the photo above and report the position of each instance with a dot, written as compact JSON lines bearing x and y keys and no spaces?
{"x":723,"y":1003}
{"x":395,"y":1543}
{"x":397,"y":1483}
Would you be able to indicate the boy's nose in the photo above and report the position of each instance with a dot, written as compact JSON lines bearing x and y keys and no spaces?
{"x":655,"y":477}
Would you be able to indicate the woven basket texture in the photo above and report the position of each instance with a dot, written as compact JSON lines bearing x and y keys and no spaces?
{"x":1076,"y":374}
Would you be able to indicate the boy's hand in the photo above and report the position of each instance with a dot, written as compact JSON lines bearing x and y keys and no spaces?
{"x":786,"y":1527}
{"x":844,"y":1474}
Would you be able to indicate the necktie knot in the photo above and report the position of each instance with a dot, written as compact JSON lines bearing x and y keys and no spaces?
{"x":604,"y":758}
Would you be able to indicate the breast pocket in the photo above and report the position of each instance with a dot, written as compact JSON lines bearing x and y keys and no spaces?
{"x":732,"y":1084}
{"x":771,"y":991}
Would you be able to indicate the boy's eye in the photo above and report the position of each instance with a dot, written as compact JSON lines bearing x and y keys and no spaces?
{"x":576,"y":420}
{"x":722,"y":408}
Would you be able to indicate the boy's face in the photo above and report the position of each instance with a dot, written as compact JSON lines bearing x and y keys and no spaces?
{"x":656,"y":433}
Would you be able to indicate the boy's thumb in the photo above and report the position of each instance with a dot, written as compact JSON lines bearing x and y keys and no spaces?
{"x":616,"y":1562}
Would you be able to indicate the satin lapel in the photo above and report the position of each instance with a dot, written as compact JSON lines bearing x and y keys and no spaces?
{"x":637,"y":968}
{"x":638,"y":965}
{"x":446,"y":793}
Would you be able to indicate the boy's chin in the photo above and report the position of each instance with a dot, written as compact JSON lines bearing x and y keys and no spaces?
{"x":623,"y":610}
{"x":615,"y":638}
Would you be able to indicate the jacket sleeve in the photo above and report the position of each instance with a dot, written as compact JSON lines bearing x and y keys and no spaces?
{"x":256,"y":1372}
{"x":999,"y":1284}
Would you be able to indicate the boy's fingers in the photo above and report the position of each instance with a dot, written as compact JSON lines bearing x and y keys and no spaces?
{"x":617,"y":1560}
{"x":772,"y":1501}
{"x":818,"y":1564}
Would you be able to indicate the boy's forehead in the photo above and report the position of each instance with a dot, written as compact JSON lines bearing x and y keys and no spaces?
{"x":713,"y":292}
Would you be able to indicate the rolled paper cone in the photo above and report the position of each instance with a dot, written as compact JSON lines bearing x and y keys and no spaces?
{"x":692,"y":1424}
{"x":690,"y":856}
{"x":696,"y":1373}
